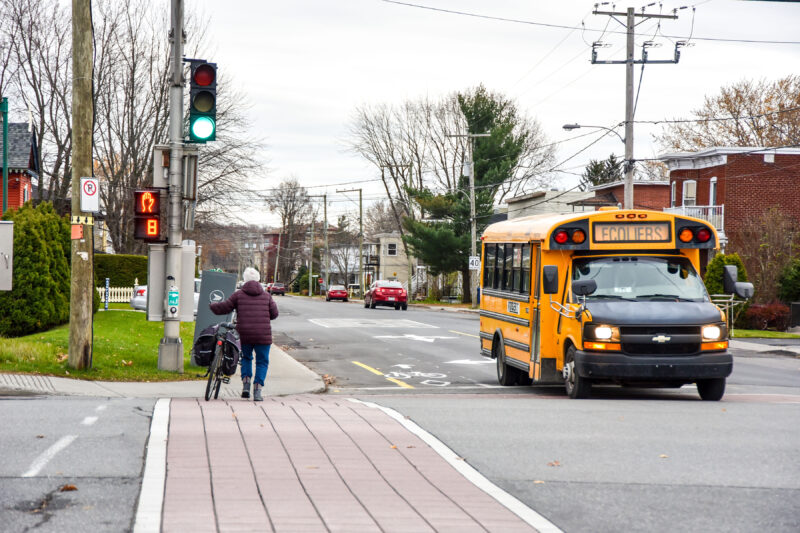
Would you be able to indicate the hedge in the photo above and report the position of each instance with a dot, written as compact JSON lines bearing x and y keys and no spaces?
{"x":122,"y":270}
{"x":39,"y":299}
{"x":713,"y":279}
{"x":789,"y":282}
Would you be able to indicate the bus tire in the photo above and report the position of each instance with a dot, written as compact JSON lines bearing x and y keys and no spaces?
{"x":711,"y":390}
{"x":506,"y":375}
{"x":577,"y":387}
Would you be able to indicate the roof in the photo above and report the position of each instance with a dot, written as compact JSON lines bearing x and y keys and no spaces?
{"x":20,"y":143}
{"x":636,"y":183}
{"x":533,"y":227}
{"x":600,"y":200}
{"x":729,"y":150}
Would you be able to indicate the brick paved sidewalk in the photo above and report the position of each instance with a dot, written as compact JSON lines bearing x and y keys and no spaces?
{"x":312,"y":463}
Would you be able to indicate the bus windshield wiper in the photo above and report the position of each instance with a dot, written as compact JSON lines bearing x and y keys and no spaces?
{"x":611,"y":296}
{"x":665,"y":296}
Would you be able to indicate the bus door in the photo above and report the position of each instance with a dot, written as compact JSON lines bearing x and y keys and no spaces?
{"x":533,"y":262}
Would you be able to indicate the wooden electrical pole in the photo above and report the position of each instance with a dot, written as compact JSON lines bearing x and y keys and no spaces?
{"x":80,"y":303}
{"x":360,"y":239}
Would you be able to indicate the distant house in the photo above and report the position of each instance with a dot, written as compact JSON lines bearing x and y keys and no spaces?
{"x":646,"y":195}
{"x":23,"y":164}
{"x":729,"y":185}
{"x":545,"y":202}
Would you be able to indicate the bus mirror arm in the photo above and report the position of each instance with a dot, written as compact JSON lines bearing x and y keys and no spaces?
{"x":561,"y":309}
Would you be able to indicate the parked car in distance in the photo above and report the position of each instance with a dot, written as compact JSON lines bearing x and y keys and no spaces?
{"x":277,"y":288}
{"x":336,"y":292}
{"x":389,"y":293}
{"x":139,"y":298}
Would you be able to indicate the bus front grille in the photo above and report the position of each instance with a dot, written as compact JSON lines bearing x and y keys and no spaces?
{"x":660,"y":340}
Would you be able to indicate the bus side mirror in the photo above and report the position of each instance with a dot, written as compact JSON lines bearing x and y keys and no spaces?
{"x":550,"y":279}
{"x":584,"y":287}
{"x":742,"y":289}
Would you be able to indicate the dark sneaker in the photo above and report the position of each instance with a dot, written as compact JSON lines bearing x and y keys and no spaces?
{"x":257,"y":393}
{"x":245,"y":387}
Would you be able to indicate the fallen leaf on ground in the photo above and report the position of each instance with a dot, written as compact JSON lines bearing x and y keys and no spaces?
{"x":393,"y":447}
{"x":61,"y":357}
{"x":410,"y":446}
{"x":554,"y":463}
{"x":39,"y":436}
{"x":664,"y":456}
{"x":328,"y":379}
{"x":68,"y":487}
{"x":537,"y":482}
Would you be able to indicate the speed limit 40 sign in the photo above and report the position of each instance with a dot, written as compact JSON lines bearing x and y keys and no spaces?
{"x":474,"y":262}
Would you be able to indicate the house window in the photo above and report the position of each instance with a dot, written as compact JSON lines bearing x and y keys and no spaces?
{"x":672,"y":190}
{"x":391,"y":249}
{"x":689,"y":192}
{"x":25,"y":194}
{"x":712,"y":191}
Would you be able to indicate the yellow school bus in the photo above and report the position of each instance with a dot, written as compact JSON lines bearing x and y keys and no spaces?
{"x":612,"y":296}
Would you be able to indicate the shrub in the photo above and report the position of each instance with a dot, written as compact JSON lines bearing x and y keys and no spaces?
{"x":121,"y":269}
{"x":789,"y":282}
{"x":713,"y":278}
{"x":774,"y":315}
{"x":39,"y":299}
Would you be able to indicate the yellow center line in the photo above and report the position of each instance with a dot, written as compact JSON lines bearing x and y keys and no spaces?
{"x":379,"y":373}
{"x":466,"y":334}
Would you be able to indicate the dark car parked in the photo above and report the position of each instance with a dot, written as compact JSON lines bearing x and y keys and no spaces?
{"x":277,"y":288}
{"x":383,"y":292}
{"x":336,"y":292}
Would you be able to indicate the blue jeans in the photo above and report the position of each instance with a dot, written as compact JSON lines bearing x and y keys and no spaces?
{"x":262,"y":361}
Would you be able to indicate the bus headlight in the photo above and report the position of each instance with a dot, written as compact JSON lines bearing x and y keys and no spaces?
{"x":711,"y":333}
{"x":602,"y":332}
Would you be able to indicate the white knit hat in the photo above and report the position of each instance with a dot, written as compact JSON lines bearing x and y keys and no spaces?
{"x":250,"y":274}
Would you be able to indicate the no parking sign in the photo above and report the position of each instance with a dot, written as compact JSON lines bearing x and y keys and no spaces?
{"x":90,"y":195}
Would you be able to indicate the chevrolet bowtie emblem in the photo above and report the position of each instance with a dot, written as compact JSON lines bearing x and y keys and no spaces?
{"x":661,"y":338}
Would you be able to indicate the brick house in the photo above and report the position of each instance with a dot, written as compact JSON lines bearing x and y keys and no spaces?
{"x":728,"y":185}
{"x":23,"y":164}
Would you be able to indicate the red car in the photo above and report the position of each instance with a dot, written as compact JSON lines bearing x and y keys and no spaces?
{"x":277,"y":288}
{"x":336,"y":292}
{"x":389,"y":293}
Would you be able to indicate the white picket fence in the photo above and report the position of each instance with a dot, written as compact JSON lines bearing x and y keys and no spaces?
{"x":116,"y":294}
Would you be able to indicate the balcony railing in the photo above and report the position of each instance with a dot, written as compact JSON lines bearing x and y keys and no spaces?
{"x":715,"y":214}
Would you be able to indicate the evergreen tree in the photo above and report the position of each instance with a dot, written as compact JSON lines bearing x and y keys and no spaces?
{"x":601,"y":172}
{"x":39,"y":298}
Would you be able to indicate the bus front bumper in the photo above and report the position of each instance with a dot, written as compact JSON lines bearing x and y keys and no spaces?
{"x":615,"y":365}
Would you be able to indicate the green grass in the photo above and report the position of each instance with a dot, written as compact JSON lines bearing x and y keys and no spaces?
{"x":762,"y":334}
{"x":125,"y":349}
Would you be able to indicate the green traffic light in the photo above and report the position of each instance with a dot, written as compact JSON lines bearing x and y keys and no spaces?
{"x":203,"y":128}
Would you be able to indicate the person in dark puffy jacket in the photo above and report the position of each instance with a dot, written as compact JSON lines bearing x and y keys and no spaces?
{"x":255,"y":309}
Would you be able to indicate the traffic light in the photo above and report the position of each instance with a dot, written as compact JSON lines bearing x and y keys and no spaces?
{"x":203,"y":102}
{"x":147,"y":215}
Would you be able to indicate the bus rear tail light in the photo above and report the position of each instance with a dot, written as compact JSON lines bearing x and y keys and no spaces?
{"x":686,"y":235}
{"x":578,"y":236}
{"x":561,"y":236}
{"x":703,"y":235}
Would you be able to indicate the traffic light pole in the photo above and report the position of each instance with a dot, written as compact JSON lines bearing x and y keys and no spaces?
{"x":170,"y":350}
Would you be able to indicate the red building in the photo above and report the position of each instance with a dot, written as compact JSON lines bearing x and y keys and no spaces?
{"x":23,"y":164}
{"x":728,"y":186}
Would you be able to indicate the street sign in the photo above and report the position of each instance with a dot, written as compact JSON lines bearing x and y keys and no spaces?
{"x":474,"y":262}
{"x":90,"y":195}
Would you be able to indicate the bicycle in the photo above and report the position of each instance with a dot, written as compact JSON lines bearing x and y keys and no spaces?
{"x":216,"y":377}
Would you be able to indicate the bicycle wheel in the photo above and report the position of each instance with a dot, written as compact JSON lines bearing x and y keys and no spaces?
{"x":219,"y":381}
{"x":213,"y":373}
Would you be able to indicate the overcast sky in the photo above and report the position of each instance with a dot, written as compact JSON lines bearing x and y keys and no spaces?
{"x":306,"y":64}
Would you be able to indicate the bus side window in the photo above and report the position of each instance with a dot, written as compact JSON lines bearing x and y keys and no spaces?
{"x":507,"y":267}
{"x":498,"y":268}
{"x":488,"y":265}
{"x":526,"y":269}
{"x":517,"y":267}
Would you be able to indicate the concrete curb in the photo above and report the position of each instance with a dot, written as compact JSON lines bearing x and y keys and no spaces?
{"x":758,"y":347}
{"x":286,"y":376}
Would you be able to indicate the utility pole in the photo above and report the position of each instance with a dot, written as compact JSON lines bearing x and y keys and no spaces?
{"x":630,"y":25}
{"x":360,"y":240}
{"x":473,"y":223}
{"x":80,"y":302}
{"x":325,"y":226}
{"x":311,"y":263}
{"x":277,"y":257}
{"x":402,"y":234}
{"x":170,"y":350}
{"x":4,"y":110}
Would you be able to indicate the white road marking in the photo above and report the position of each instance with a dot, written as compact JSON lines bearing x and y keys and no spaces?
{"x":527,"y":514}
{"x":368,"y":323}
{"x":100,"y":408}
{"x":151,"y":497}
{"x":45,"y":457}
{"x":412,"y":337}
{"x":404,"y":367}
{"x":89,"y":420}
{"x":435,"y":383}
{"x":470,"y":362}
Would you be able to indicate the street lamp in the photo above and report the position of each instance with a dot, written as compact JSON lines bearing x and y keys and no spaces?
{"x":628,"y":142}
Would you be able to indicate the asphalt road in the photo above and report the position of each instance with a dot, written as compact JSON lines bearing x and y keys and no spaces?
{"x":93,"y":446}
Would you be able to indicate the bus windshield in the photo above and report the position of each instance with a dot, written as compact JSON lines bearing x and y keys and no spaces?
{"x":641,"y":278}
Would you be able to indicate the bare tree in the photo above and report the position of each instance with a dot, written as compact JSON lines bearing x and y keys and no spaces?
{"x":745,"y":113}
{"x":378,"y":218}
{"x":293,"y":205}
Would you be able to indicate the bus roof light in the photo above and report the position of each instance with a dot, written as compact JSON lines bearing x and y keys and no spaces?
{"x":686,"y":235}
{"x":631,"y":215}
{"x":642,"y":215}
{"x":561,"y":236}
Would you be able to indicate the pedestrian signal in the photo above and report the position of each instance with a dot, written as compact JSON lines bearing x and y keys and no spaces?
{"x":147,"y":215}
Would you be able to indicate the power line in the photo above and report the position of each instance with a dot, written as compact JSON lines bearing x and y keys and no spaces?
{"x":565,"y":27}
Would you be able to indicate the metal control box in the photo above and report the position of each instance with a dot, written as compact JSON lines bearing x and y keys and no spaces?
{"x":6,"y":255}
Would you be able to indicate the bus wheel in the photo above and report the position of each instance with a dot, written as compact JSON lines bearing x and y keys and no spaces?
{"x":506,"y":375}
{"x":711,"y":390}
{"x":577,"y":387}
